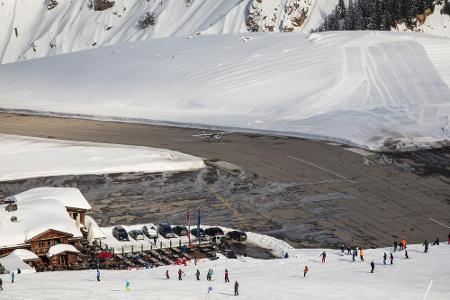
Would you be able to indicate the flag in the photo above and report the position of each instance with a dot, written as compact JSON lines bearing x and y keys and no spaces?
{"x":189,"y":227}
{"x":198,"y":227}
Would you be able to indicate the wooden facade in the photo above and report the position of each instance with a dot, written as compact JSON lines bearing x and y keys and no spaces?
{"x":40,"y":243}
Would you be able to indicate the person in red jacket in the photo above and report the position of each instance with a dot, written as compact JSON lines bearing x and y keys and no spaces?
{"x":305,"y":270}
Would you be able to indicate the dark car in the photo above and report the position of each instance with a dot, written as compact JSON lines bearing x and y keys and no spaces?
{"x":136,"y":234}
{"x":166,"y":231}
{"x":200,"y":233}
{"x":120,"y":233}
{"x":214,"y":231}
{"x":237,"y":235}
{"x":180,"y":230}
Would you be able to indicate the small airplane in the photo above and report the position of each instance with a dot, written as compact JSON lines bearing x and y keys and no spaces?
{"x":211,"y":137}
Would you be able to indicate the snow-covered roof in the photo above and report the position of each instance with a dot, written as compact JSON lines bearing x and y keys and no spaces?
{"x":60,"y":248}
{"x":69,"y":197}
{"x":25,"y":254}
{"x":34,"y":217}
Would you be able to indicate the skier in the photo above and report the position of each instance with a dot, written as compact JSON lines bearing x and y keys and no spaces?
{"x":391,"y":258}
{"x":197,"y":274}
{"x":167,"y":274}
{"x":180,"y":273}
{"x":1,"y":284}
{"x":226,"y":276}
{"x":349,"y":251}
{"x":286,"y":255}
{"x":236,"y":288}
{"x":98,"y":275}
{"x":342,"y":249}
{"x":372,"y":266}
{"x":384,"y":258}
{"x":406,"y":254}
{"x":436,"y":242}
{"x":305,"y":270}
{"x":324,"y":256}
{"x":12,"y":277}
{"x":127,"y":285}
{"x":403,"y":243}
{"x":355,"y":253}
{"x":395,"y":246}
{"x":426,"y":246}
{"x":449,"y":238}
{"x":361,"y":254}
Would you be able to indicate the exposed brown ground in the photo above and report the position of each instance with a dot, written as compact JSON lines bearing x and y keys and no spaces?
{"x":340,"y":193}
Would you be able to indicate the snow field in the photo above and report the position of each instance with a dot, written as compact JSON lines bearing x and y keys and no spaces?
{"x":338,"y":278}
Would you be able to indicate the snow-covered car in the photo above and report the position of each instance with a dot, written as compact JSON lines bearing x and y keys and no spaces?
{"x":150,"y":231}
{"x":166,"y":231}
{"x":180,"y":230}
{"x":237,"y":235}
{"x":136,"y":234}
{"x":120,"y":233}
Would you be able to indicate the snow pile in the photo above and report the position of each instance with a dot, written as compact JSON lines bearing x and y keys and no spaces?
{"x":61,"y":248}
{"x":423,"y":276}
{"x":30,"y":29}
{"x":69,"y":197}
{"x":363,"y":88}
{"x":44,"y":157}
{"x":12,"y":262}
{"x":93,"y":228}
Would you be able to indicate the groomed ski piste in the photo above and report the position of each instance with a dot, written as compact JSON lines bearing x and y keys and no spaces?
{"x":422,"y":276}
{"x":371,"y":89}
{"x":27,"y":157}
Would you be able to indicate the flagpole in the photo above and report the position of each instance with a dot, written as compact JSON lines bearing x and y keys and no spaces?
{"x":189,"y":227}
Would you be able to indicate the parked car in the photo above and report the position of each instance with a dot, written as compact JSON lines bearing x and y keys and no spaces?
{"x":200,"y":233}
{"x":120,"y":233}
{"x":237,"y":235}
{"x":136,"y":234}
{"x":150,"y":230}
{"x":180,"y":230}
{"x":214,"y":231}
{"x":166,"y":231}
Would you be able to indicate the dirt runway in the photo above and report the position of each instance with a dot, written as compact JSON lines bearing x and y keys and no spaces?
{"x":325,"y":193}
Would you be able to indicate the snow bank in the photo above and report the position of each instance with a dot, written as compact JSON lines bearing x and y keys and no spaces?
{"x":44,"y":157}
{"x":361,"y":88}
{"x":12,"y":262}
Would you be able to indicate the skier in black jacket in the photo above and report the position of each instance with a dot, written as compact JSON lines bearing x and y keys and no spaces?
{"x":372,"y":266}
{"x":426,"y":244}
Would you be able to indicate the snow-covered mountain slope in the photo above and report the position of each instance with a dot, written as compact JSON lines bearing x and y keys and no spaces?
{"x":435,"y":23}
{"x":364,"y":88}
{"x":422,"y":276}
{"x":26,"y":157}
{"x":31,"y":29}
